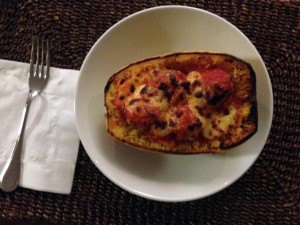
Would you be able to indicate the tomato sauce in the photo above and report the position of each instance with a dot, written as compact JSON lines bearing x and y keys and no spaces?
{"x":183,"y":125}
{"x":216,"y":77}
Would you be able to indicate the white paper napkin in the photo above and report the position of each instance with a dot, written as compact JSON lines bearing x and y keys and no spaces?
{"x":51,"y":142}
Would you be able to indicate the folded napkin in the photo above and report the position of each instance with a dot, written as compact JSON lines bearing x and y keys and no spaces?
{"x":50,"y":143}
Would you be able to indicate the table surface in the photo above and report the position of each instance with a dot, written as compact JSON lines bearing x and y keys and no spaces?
{"x":267,"y":194}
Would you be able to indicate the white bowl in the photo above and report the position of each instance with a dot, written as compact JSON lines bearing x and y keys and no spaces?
{"x":152,"y":32}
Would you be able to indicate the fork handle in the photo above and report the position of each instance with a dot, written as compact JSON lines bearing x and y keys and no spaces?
{"x":9,"y":177}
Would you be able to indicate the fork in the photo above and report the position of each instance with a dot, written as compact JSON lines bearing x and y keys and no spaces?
{"x":9,"y":177}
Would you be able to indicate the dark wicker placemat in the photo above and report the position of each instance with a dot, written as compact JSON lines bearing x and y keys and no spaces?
{"x":267,"y":194}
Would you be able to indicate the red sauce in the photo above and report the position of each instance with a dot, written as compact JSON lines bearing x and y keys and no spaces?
{"x":217,"y":77}
{"x":143,"y":115}
{"x":175,"y":87}
{"x":186,"y":119}
{"x":166,"y":77}
{"x":119,"y":103}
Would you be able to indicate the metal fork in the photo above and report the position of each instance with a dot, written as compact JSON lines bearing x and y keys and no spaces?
{"x":9,"y":177}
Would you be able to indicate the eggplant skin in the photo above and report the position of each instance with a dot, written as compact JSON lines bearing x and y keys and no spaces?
{"x":244,"y":79}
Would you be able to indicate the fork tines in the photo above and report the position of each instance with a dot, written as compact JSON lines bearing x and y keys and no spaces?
{"x":40,"y":58}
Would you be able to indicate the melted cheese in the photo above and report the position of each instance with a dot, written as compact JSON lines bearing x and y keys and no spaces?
{"x":158,"y":100}
{"x":161,"y":132}
{"x":192,"y":76}
{"x":225,"y":121}
{"x":134,"y":95}
{"x":217,"y":124}
{"x":193,"y":103}
{"x":222,"y":122}
{"x":209,"y":132}
{"x":213,"y":127}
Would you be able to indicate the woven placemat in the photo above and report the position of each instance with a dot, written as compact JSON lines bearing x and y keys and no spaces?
{"x":267,"y":194}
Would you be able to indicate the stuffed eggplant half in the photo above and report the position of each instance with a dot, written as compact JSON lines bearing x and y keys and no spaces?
{"x":183,"y":103}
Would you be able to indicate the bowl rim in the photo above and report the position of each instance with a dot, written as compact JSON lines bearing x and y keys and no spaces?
{"x":91,"y":154}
